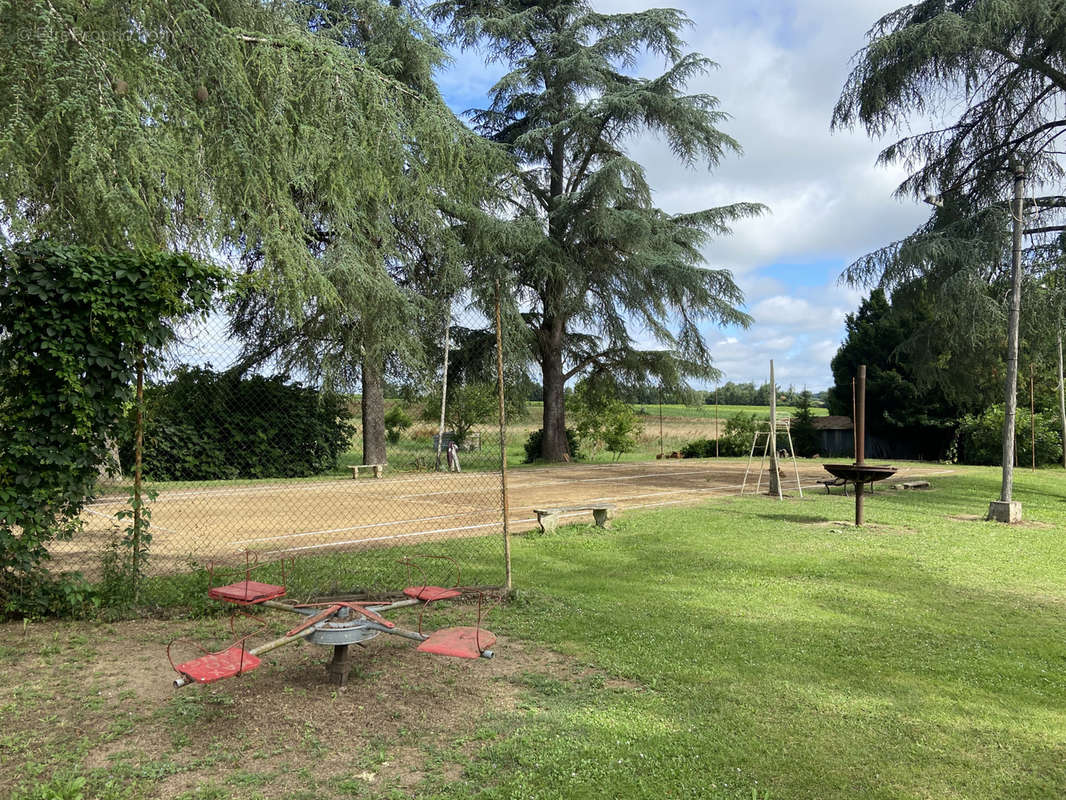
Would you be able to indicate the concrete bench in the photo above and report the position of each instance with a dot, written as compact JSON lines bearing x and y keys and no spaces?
{"x":548,"y":518}
{"x":378,"y":469}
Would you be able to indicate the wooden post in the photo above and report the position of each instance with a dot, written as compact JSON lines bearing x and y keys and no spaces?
{"x":503,"y":445}
{"x":860,"y":441}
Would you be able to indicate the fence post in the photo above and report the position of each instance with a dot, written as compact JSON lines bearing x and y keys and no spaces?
{"x":503,"y":444}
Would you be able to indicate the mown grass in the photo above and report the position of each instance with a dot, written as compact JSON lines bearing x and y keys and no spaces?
{"x":770,"y":654}
{"x":747,"y":648}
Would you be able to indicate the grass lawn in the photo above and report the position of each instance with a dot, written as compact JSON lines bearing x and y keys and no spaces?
{"x":743,"y":649}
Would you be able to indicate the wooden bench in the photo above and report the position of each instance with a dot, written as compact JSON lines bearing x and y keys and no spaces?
{"x":548,"y":518}
{"x":378,"y":469}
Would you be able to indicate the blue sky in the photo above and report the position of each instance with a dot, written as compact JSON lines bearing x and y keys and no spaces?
{"x":781,"y":68}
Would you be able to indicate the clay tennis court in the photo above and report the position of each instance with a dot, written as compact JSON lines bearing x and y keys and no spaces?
{"x":304,"y":518}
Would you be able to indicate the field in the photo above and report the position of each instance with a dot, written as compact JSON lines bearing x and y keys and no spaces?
{"x":739,"y":648}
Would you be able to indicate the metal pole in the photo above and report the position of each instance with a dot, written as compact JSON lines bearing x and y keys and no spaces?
{"x":661,"y":451}
{"x":775,"y":477}
{"x":1062,"y":403}
{"x":138,"y":460}
{"x":444,"y":380}
{"x":860,"y":441}
{"x":1032,"y":414}
{"x":503,"y":445}
{"x":1007,"y":486}
{"x":716,"y":421}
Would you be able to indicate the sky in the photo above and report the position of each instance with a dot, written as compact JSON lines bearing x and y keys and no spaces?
{"x":782,"y":64}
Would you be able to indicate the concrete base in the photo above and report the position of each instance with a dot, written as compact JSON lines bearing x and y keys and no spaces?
{"x":1009,"y":512}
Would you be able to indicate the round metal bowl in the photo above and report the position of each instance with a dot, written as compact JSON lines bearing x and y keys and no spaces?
{"x":860,"y":473}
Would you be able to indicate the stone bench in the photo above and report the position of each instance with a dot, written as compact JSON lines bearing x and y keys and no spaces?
{"x":378,"y":469}
{"x":548,"y":518}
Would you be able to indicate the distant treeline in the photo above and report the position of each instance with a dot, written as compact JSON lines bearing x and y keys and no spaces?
{"x":732,"y":394}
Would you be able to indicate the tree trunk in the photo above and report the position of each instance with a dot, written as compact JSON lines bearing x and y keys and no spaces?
{"x":373,"y":409}
{"x":554,"y":445}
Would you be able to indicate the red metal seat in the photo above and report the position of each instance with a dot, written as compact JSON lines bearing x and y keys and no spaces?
{"x":247,"y":592}
{"x":212,"y":667}
{"x":462,"y":642}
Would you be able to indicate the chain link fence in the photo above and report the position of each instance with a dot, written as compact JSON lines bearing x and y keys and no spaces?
{"x":341,"y":482}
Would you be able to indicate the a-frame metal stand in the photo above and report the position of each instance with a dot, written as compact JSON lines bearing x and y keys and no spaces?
{"x":784,"y":426}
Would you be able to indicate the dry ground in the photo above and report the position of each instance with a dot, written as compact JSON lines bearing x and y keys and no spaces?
{"x":301,"y":518}
{"x":98,"y":700}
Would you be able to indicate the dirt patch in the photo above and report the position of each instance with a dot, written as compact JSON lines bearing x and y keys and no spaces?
{"x":102,"y":696}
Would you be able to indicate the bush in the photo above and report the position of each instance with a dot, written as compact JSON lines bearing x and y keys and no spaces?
{"x":701,"y":448}
{"x":739,"y":432}
{"x":207,"y":425}
{"x":601,"y":419}
{"x":980,"y":438}
{"x":397,"y":421}
{"x":533,"y":445}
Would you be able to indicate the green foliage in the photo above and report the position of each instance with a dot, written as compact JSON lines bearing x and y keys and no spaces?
{"x":739,"y":432}
{"x":980,"y":438}
{"x":469,"y":404}
{"x":901,"y":402}
{"x":208,"y":425}
{"x":995,"y":64}
{"x":397,"y":421}
{"x":700,"y":448}
{"x":592,"y":255}
{"x":601,"y":419}
{"x":73,"y":321}
{"x":804,"y":434}
{"x":534,"y":443}
{"x":222,"y":123}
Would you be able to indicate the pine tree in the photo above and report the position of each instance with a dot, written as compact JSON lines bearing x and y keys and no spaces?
{"x":592,"y":256}
{"x":211,"y":126}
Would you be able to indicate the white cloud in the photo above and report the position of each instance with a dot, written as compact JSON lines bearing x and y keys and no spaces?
{"x":782,"y":66}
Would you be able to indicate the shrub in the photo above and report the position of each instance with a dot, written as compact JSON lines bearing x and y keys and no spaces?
{"x":739,"y":432}
{"x":601,"y":419}
{"x":397,"y":421}
{"x":207,"y":425}
{"x":700,"y":448}
{"x":533,"y":445}
{"x":980,"y":438}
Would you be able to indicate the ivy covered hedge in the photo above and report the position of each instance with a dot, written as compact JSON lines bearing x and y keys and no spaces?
{"x":208,"y":425}
{"x":74,"y":322}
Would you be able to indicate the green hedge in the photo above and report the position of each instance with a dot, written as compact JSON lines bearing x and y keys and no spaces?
{"x":207,"y":425}
{"x":980,"y":438}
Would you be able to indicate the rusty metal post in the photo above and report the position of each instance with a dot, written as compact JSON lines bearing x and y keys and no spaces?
{"x":860,"y":441}
{"x":503,"y":445}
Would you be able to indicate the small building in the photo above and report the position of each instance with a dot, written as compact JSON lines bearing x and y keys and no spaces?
{"x":836,"y":436}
